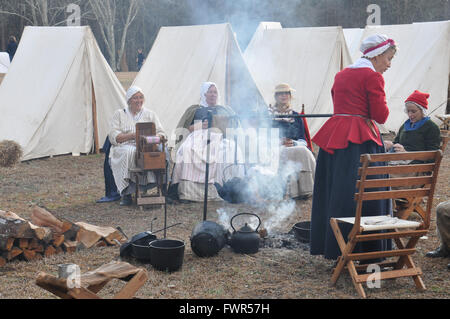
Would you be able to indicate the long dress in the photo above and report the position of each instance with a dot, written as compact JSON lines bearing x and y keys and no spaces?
{"x":297,"y":161}
{"x":190,"y":159}
{"x":123,"y":155}
{"x":358,"y":98}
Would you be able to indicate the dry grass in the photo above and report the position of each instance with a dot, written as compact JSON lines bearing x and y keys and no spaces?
{"x":68,"y":186}
{"x":10,"y":153}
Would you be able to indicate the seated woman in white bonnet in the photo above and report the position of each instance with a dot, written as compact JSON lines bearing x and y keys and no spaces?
{"x":188,"y":178}
{"x":123,"y":139}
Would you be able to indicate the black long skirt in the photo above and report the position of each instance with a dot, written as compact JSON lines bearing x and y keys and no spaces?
{"x":334,"y":190}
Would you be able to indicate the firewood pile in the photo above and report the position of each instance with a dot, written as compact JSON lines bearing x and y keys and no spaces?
{"x":46,"y":235}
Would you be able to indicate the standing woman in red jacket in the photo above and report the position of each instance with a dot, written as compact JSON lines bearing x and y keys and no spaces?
{"x":359,"y":100}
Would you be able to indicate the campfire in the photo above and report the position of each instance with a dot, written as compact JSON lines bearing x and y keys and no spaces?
{"x":281,"y":240}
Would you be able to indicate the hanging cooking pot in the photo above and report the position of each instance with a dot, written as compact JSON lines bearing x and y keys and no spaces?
{"x":246,"y":239}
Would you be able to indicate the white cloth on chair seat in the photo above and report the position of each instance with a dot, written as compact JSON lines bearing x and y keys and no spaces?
{"x":372,"y":223}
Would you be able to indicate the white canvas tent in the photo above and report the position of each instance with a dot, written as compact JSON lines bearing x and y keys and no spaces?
{"x":353,"y":38}
{"x":259,"y":34}
{"x":421,"y":63}
{"x":59,"y":94}
{"x":184,"y":57}
{"x":307,"y":59}
{"x":4,"y":62}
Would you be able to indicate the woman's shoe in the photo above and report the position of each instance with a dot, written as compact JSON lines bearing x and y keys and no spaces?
{"x":126,"y":200}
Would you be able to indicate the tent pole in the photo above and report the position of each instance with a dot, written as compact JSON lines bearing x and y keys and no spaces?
{"x":94,"y":119}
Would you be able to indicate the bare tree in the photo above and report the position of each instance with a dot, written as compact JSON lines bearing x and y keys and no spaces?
{"x":39,"y":12}
{"x":114,"y":16}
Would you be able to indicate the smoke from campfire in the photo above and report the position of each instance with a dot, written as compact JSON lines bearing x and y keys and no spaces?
{"x":266,"y":189}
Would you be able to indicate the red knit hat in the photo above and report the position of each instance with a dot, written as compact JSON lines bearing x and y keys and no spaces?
{"x":419,"y":98}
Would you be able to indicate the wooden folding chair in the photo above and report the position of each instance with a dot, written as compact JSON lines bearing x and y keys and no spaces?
{"x":92,"y":282}
{"x":387,"y":227}
{"x":404,"y":207}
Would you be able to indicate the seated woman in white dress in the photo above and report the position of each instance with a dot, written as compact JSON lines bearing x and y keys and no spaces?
{"x":297,"y":162}
{"x":188,"y":178}
{"x":123,"y":139}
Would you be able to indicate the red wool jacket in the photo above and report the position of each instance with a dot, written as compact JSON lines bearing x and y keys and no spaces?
{"x":358,"y":98}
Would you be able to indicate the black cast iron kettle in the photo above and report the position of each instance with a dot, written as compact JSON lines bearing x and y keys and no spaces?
{"x":245,"y":240}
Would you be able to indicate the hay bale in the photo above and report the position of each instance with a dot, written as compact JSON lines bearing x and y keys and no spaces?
{"x":10,"y":153}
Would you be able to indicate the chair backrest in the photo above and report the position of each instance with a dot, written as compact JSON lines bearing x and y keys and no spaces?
{"x":418,"y":181}
{"x":445,"y":136}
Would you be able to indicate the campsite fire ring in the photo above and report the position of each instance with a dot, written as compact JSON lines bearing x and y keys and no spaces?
{"x":279,"y":240}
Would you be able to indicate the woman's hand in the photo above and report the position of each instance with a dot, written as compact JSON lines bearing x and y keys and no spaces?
{"x":398,"y":148}
{"x":388,"y":145}
{"x":124,"y":137}
{"x":287,"y":142}
{"x":162,"y":139}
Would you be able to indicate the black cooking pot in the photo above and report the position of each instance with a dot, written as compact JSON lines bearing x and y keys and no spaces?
{"x":167,"y":254}
{"x":302,"y":231}
{"x":208,"y":238}
{"x":132,"y":247}
{"x":140,"y":249}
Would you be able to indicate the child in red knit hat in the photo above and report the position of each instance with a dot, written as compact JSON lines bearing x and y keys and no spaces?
{"x":418,"y":133}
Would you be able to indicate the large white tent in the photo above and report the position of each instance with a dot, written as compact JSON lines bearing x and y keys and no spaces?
{"x":307,"y":59}
{"x":59,"y":94}
{"x":421,"y":63}
{"x":259,"y":34}
{"x":353,"y":38}
{"x":184,"y":57}
{"x":4,"y":62}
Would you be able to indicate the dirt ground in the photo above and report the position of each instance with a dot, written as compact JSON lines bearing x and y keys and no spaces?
{"x":69,"y":187}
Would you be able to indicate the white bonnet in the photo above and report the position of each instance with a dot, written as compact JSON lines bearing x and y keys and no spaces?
{"x":376,"y":45}
{"x":132,"y":91}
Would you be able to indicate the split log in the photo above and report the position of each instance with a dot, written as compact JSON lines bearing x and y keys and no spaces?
{"x":59,"y":250}
{"x":108,"y":233}
{"x":42,"y":217}
{"x":70,"y":246}
{"x":11,"y":225}
{"x":58,"y":240}
{"x":33,"y":243}
{"x":15,"y":251}
{"x":42,"y":233}
{"x":49,"y":251}
{"x":87,"y":238}
{"x":29,"y":254}
{"x":6,"y":243}
{"x":71,"y":234}
{"x":39,"y":248}
{"x":22,"y":243}
{"x":2,"y":261}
